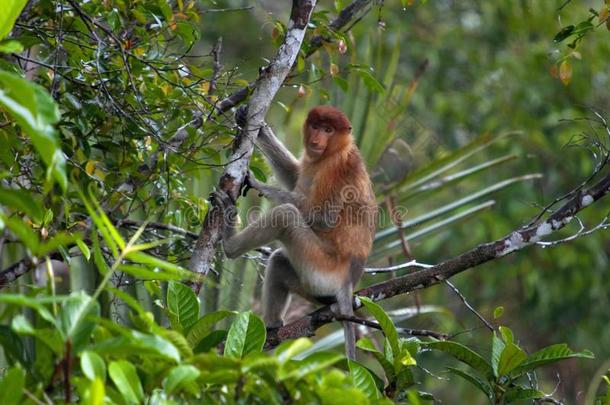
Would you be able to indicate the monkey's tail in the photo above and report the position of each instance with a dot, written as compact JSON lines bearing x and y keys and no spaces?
{"x":349,"y":331}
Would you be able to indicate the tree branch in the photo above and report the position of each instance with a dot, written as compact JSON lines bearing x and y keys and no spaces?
{"x":265,"y":89}
{"x":515,"y":241}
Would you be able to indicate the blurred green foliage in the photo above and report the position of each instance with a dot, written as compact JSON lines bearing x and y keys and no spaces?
{"x":471,"y":116}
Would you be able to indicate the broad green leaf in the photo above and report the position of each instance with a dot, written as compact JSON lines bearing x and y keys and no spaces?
{"x":11,"y":46}
{"x":35,"y":111}
{"x":463,"y":354}
{"x":287,"y":350}
{"x":12,"y":345}
{"x":37,"y":304}
{"x":387,"y":326}
{"x":483,"y":386}
{"x":125,"y":378}
{"x":11,"y":386}
{"x":310,"y":364}
{"x":50,"y":337}
{"x":521,"y":394}
{"x":363,"y":380}
{"x":512,"y":356}
{"x":497,"y":347}
{"x":72,"y":321}
{"x":180,"y":376}
{"x":10,"y":11}
{"x":247,"y":334}
{"x":22,"y":200}
{"x":138,"y":343}
{"x":22,"y":231}
{"x":550,"y":354}
{"x":93,"y":366}
{"x":203,"y":326}
{"x":94,"y":393}
{"x":183,"y":306}
{"x":367,"y":345}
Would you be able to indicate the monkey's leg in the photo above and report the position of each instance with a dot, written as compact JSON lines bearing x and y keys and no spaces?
{"x":278,"y":223}
{"x":280,"y":280}
{"x":345,"y":306}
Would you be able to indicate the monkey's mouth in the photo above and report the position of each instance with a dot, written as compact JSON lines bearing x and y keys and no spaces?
{"x":315,"y":151}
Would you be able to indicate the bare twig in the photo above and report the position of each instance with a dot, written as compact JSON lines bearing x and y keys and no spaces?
{"x":470,"y":307}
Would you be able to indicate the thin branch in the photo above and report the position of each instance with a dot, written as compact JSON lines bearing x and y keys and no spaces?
{"x":405,"y":331}
{"x":470,"y":307}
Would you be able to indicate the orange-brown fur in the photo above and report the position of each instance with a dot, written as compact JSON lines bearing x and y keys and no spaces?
{"x":341,"y":166}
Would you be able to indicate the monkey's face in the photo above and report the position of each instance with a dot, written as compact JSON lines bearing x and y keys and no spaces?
{"x":317,"y":137}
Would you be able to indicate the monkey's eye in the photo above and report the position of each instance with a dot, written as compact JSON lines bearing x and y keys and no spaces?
{"x":314,"y":126}
{"x":328,"y":130}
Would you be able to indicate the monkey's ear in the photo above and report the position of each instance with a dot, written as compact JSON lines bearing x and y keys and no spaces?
{"x":241,"y":116}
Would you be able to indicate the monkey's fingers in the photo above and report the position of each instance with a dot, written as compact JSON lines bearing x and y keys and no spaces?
{"x":241,"y":116}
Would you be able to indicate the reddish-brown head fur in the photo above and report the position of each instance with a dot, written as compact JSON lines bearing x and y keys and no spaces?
{"x":327,"y":131}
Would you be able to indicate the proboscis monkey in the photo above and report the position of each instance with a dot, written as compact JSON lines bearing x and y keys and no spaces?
{"x":324,"y":218}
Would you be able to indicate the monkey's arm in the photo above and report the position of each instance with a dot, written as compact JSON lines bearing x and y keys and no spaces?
{"x":275,"y":194}
{"x":285,"y":166}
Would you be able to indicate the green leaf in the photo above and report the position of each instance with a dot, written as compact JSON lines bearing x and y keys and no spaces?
{"x":11,"y":386}
{"x":247,"y":334}
{"x":93,"y":366}
{"x":138,"y":343}
{"x":463,"y":354}
{"x":310,"y":364}
{"x":203,"y":326}
{"x":10,"y":11}
{"x":512,"y":356}
{"x":125,"y":377}
{"x":389,"y":330}
{"x":363,"y":380}
{"x":72,"y":322}
{"x":11,"y":46}
{"x":183,"y":306}
{"x":497,"y":347}
{"x":367,"y":345}
{"x":12,"y":345}
{"x":84,"y":249}
{"x":550,"y":354}
{"x":498,"y":311}
{"x":179,"y":377}
{"x":522,"y":394}
{"x":474,"y":380}
{"x":35,"y":111}
{"x":24,"y":201}
{"x":22,"y":231}
{"x":287,"y":350}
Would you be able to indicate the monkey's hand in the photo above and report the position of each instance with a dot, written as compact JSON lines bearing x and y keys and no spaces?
{"x":241,"y":116}
{"x":226,"y":203}
{"x":250,"y":182}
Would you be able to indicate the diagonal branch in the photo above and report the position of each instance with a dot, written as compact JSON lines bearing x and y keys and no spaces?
{"x":265,"y":89}
{"x":515,"y":241}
